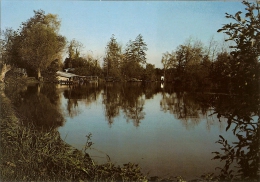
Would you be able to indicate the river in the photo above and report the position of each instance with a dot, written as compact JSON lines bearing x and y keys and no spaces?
{"x":168,"y":132}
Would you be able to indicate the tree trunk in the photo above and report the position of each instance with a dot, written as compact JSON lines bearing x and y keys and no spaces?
{"x":164,"y":75}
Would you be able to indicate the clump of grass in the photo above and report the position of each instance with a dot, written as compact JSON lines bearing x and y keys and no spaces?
{"x":28,"y":154}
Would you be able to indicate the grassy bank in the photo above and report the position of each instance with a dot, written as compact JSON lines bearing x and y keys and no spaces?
{"x":32,"y":155}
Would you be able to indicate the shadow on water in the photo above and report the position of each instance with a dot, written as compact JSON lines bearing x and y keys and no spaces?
{"x":37,"y":106}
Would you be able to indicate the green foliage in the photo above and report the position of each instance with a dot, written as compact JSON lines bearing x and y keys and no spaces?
{"x":9,"y":47}
{"x":74,"y":48}
{"x":37,"y":44}
{"x":49,"y":73}
{"x":125,"y":65}
{"x":137,"y":52}
{"x":168,"y":61}
{"x":221,"y":70}
{"x":149,"y":73}
{"x":245,"y":35}
{"x":193,"y":67}
{"x":187,"y":66}
{"x":134,"y":57}
{"x":113,"y":59}
{"x":245,"y":32}
{"x":83,"y":66}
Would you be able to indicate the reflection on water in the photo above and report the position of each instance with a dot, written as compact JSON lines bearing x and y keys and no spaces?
{"x":241,"y":112}
{"x":76,"y":93}
{"x":166,"y":131}
{"x":37,"y":105}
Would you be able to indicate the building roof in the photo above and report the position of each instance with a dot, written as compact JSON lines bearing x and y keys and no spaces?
{"x":64,"y":74}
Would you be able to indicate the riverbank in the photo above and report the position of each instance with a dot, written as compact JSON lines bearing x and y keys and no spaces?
{"x":32,"y":155}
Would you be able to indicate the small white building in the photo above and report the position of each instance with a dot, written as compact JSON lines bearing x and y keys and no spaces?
{"x":63,"y":76}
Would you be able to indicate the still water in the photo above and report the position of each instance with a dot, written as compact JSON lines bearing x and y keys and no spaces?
{"x":167,"y":132}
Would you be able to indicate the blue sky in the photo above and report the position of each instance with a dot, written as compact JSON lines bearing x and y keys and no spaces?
{"x":163,"y":24}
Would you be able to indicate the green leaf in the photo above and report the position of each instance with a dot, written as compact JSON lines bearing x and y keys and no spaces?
{"x":248,"y":14}
{"x":216,"y":157}
{"x":229,"y":123}
{"x":237,"y":15}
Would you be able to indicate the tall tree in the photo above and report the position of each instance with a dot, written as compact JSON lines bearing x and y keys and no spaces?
{"x":139,"y":49}
{"x":245,"y":36}
{"x":211,"y":50}
{"x":149,"y":74}
{"x":112,"y":59}
{"x":188,"y":55}
{"x":135,"y":50}
{"x":168,"y":61}
{"x":9,"y":47}
{"x":74,"y":49}
{"x":134,"y":57}
{"x":40,"y":42}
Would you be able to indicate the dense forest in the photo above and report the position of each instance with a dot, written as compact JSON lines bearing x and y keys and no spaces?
{"x":232,"y":65}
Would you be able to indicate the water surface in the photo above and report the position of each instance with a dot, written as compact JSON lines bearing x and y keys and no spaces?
{"x":168,"y":132}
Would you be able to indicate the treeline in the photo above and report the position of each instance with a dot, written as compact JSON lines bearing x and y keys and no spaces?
{"x":234,"y":68}
{"x":38,"y":47}
{"x":118,"y":64}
